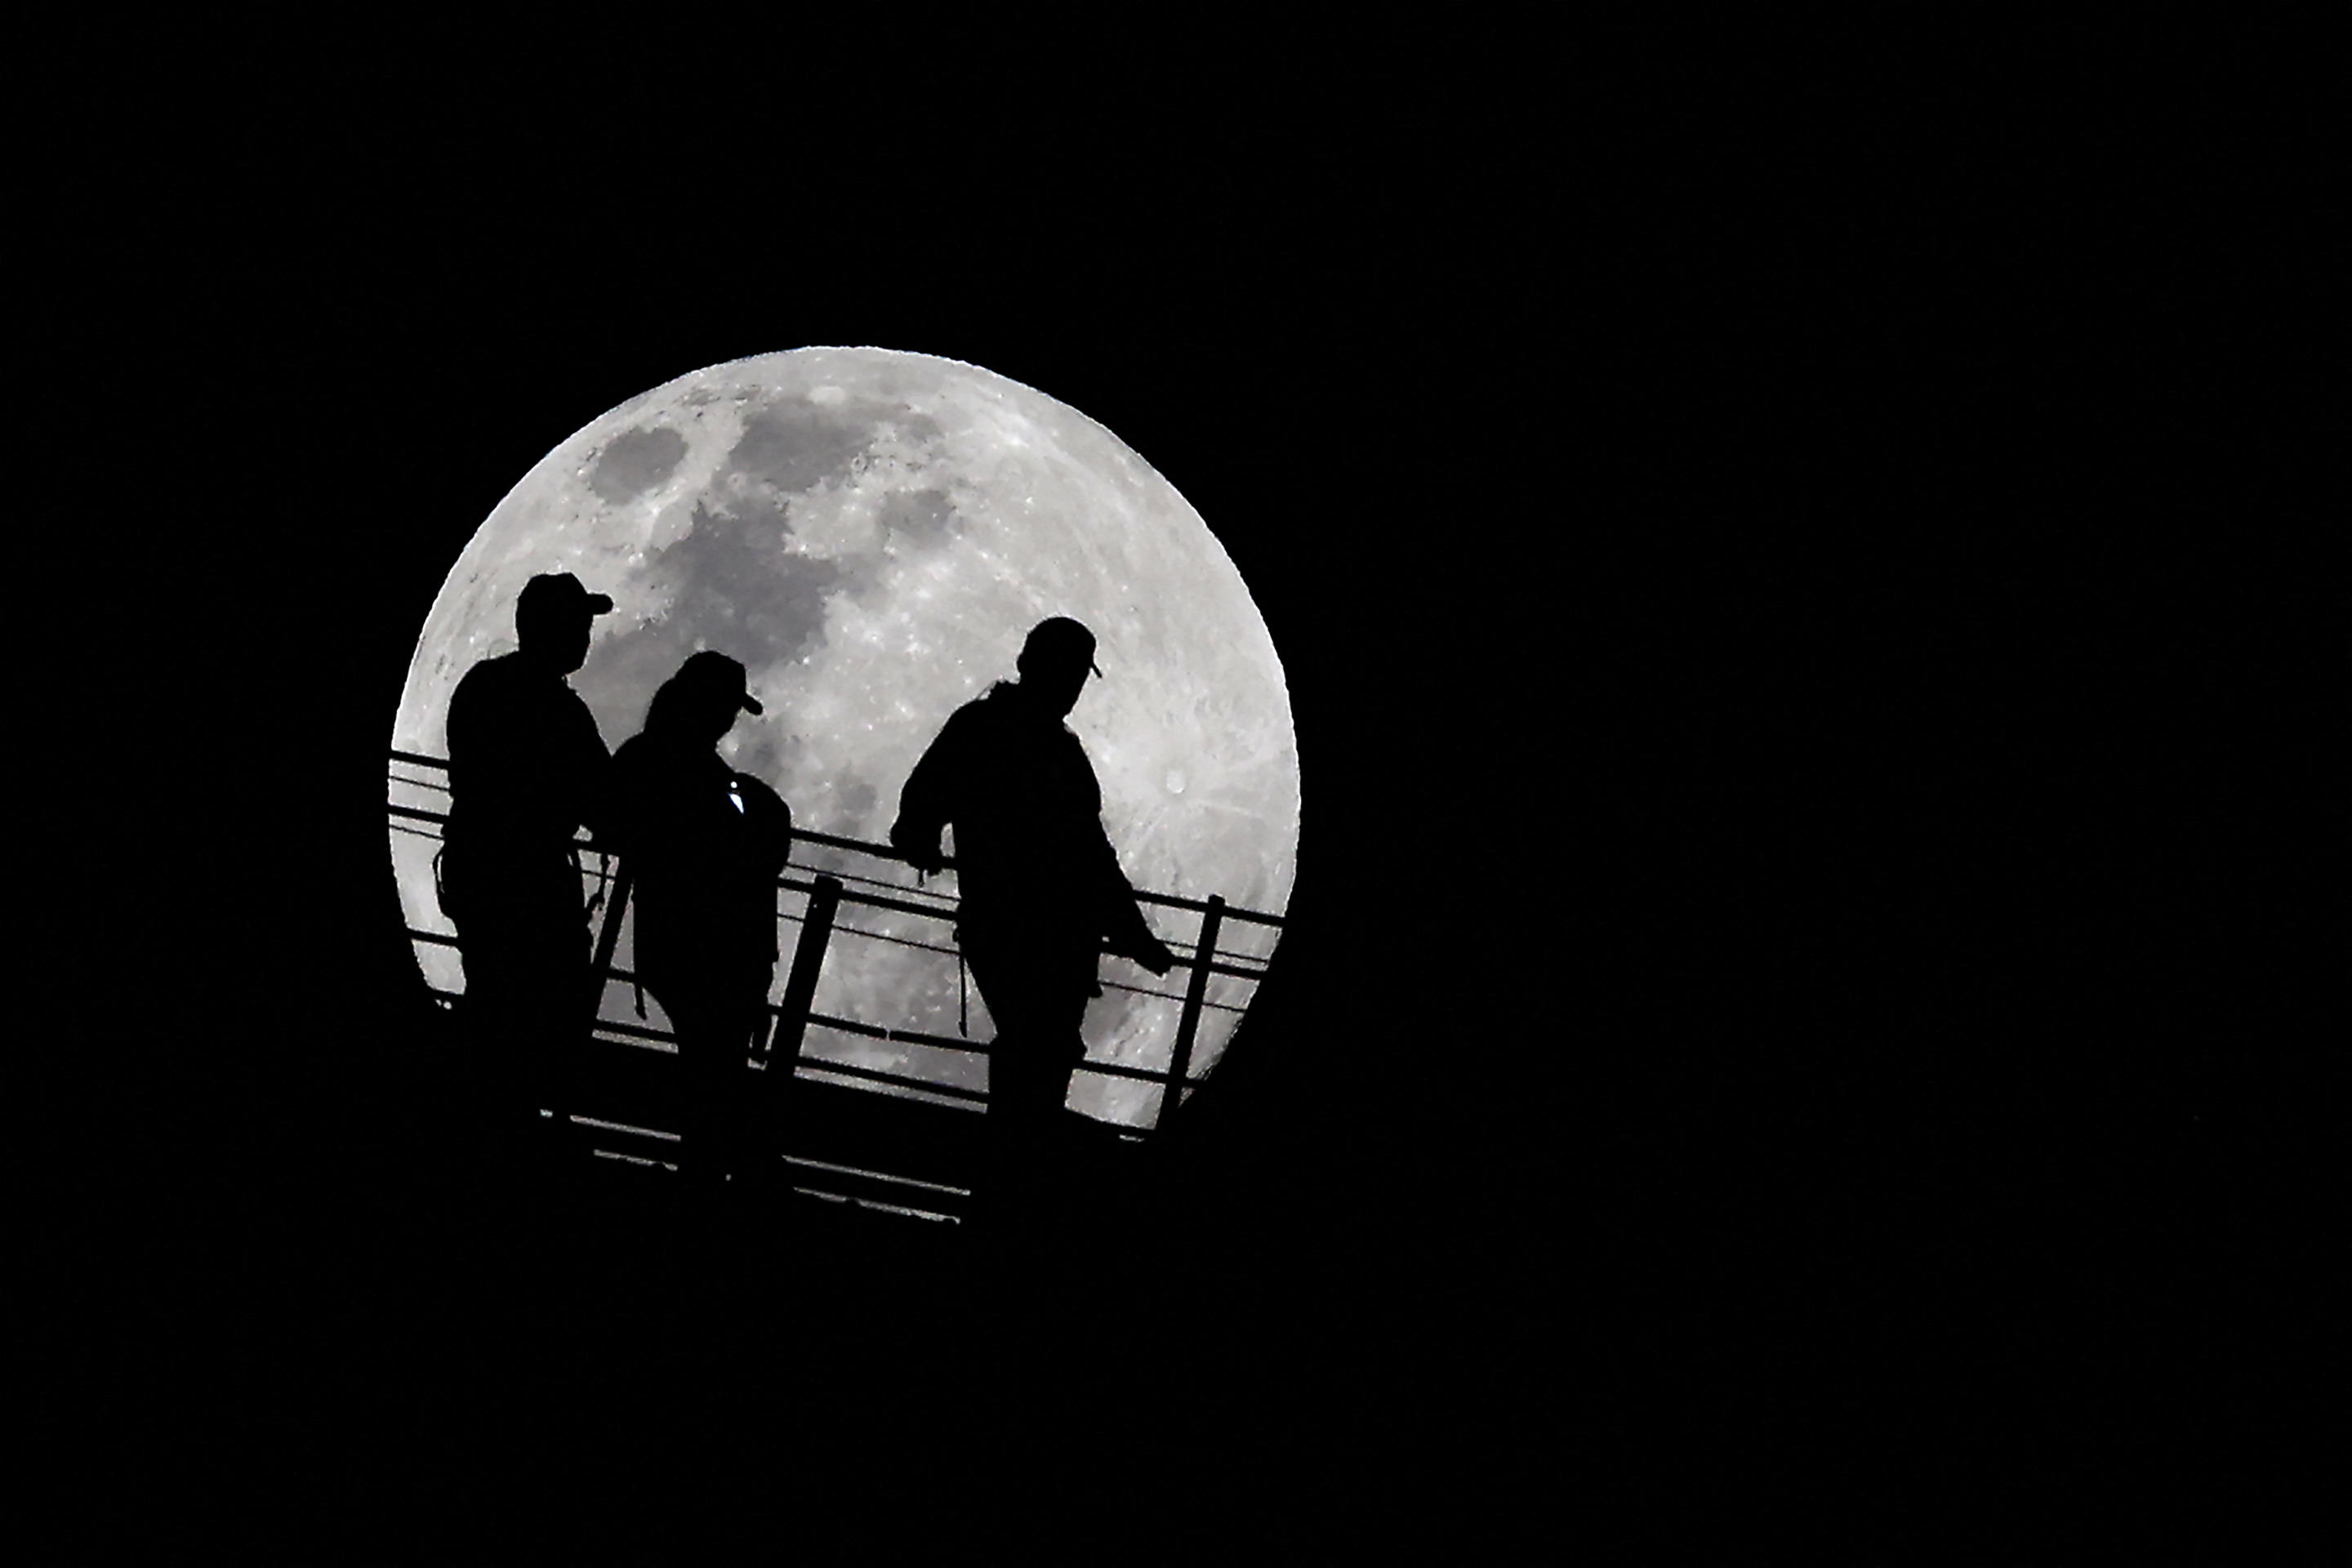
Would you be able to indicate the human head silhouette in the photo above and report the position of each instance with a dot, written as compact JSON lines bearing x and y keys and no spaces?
{"x":1054,"y":663}
{"x":552,"y":617}
{"x":699,"y":703}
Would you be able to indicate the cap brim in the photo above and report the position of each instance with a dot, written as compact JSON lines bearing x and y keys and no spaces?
{"x":598,"y":603}
{"x":752,"y":704}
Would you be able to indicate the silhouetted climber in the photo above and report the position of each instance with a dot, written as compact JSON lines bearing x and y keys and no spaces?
{"x":527,"y":768}
{"x":1042,"y":891}
{"x":706,"y":844}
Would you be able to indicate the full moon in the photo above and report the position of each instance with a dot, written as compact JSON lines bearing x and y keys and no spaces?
{"x":872,"y":533}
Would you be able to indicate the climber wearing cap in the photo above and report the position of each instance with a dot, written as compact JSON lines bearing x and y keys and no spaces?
{"x":526,"y":769}
{"x":1041,"y":890}
{"x":705,"y":844}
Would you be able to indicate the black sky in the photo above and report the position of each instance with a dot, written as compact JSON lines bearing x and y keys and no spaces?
{"x":1801,"y":597}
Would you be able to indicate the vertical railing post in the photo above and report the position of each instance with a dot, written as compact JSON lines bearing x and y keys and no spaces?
{"x":1188,"y":1024}
{"x":608,"y":937}
{"x":568,"y":1069}
{"x":800,"y":986}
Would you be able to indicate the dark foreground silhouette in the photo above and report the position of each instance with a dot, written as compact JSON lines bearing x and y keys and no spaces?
{"x":526,"y":769}
{"x":1042,"y":891}
{"x":706,"y":844}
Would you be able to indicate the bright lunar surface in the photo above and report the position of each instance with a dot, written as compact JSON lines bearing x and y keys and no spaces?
{"x":873,"y":534}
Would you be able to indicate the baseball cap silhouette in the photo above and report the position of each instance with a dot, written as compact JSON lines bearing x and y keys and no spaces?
{"x":713,"y":671}
{"x":1059,"y":642}
{"x":559,"y":591}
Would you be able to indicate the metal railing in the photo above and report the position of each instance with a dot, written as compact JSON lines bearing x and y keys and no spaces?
{"x":821,"y":897}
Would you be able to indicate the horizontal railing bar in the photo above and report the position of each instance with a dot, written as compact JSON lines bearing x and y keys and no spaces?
{"x":851,"y":1026}
{"x":878,"y":851}
{"x":878,"y":1204}
{"x":604,"y":1126}
{"x":1166,"y":995}
{"x":1143,"y":1075}
{"x":883,"y":1178}
{"x":876,"y":900}
{"x":877,"y":1176}
{"x":1185,"y":951}
{"x":849,"y":1070}
{"x":904,"y":906}
{"x":630,"y":1159}
{"x":854,"y":1199}
{"x":930,"y":1085}
{"x":651,"y":1043}
{"x":840,"y":930}
{"x":848,"y":1026}
{"x":929,"y":1094}
{"x":1200,"y":906}
{"x":884,"y":851}
{"x":637,"y":1031}
{"x":850,"y":895}
{"x":897,"y":1037}
{"x":1179,"y":961}
{"x":838,"y":874}
{"x":880,"y":1178}
{"x":947,"y":863}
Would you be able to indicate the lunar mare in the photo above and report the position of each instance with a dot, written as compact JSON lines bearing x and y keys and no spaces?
{"x":872,"y":533}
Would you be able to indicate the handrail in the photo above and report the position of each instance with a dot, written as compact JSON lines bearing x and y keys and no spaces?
{"x":836,"y":841}
{"x":790,"y":1018}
